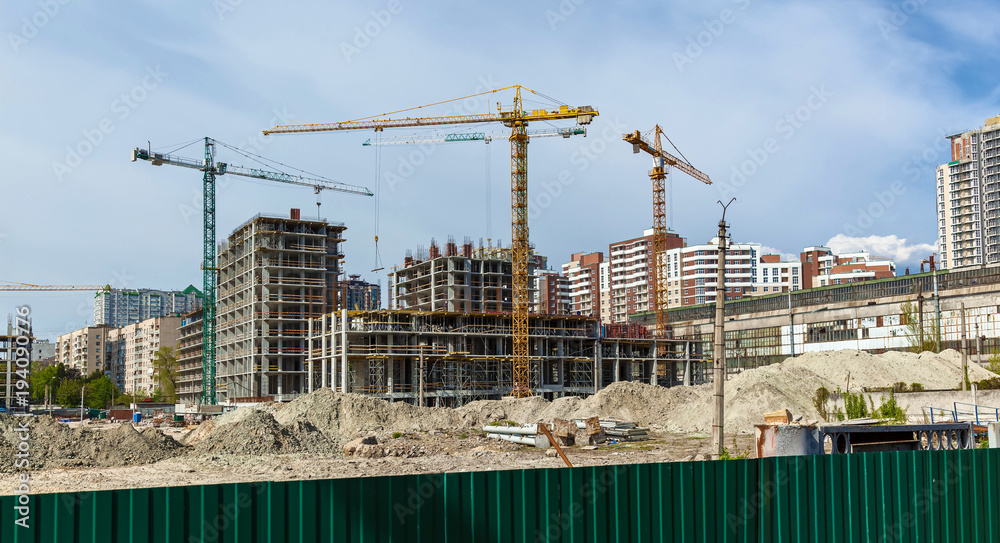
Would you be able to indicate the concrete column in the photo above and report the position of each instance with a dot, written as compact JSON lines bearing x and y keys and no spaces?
{"x":390,"y":364}
{"x":324,"y":342}
{"x":652,"y":375}
{"x":598,"y":374}
{"x":344,"y":373}
{"x":687,"y":364}
{"x":309,"y":354}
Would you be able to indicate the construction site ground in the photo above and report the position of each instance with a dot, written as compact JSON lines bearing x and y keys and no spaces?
{"x":305,"y":439}
{"x":420,"y":453}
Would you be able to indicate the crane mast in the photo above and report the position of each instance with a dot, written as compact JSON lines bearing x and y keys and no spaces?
{"x":662,"y":161}
{"x":517,"y":119}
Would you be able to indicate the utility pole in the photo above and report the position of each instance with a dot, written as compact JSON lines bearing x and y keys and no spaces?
{"x":82,"y":389}
{"x":791,"y":324}
{"x":965,"y":350}
{"x":719,"y":353}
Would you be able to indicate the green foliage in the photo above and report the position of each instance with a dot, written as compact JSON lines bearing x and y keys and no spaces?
{"x":735,"y":453}
{"x":397,"y":435}
{"x":820,"y":401}
{"x":993,"y":383}
{"x":503,"y":423}
{"x":994,"y":362}
{"x":855,"y":405}
{"x":916,"y":387}
{"x":50,"y":376}
{"x":890,"y":410}
{"x":464,"y":436}
{"x":921,"y":338}
{"x":166,"y":367}
{"x":68,"y":393}
{"x":99,"y":392}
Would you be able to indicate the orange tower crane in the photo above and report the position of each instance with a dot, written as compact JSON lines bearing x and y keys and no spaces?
{"x":662,"y":162}
{"x":517,"y":119}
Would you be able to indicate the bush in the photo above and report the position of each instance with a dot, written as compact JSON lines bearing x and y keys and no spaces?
{"x":916,"y":387}
{"x":820,"y":402}
{"x":890,"y":410}
{"x":855,"y":405}
{"x":397,"y":435}
{"x":993,"y":383}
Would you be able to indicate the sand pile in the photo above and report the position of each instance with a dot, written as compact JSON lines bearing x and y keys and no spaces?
{"x":257,"y":432}
{"x":53,"y":444}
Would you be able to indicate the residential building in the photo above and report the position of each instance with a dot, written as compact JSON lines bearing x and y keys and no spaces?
{"x":968,"y":198}
{"x":275,"y":273}
{"x":604,"y":285}
{"x":852,"y":268}
{"x":700,"y":265}
{"x":120,"y":307}
{"x":42,"y":349}
{"x":83,"y":350}
{"x":632,"y":274}
{"x":583,"y":274}
{"x":552,"y":293}
{"x":467,"y":279}
{"x":189,"y":358}
{"x":129,"y":352}
{"x":775,"y":275}
{"x":361,"y":295}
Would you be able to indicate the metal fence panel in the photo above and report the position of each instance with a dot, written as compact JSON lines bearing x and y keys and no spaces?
{"x":901,"y":496}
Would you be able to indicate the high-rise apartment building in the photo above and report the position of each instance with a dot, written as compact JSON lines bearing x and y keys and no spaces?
{"x":604,"y":286}
{"x":968,"y":198}
{"x":275,"y":273}
{"x":583,"y":275}
{"x":700,"y":265}
{"x":189,"y":358}
{"x":552,"y":293}
{"x":83,"y":350}
{"x":361,"y":295}
{"x":120,"y":307}
{"x":129,"y":352}
{"x":632,"y":274}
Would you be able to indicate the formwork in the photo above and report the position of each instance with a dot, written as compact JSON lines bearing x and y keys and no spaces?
{"x":451,"y":358}
{"x":933,"y":496}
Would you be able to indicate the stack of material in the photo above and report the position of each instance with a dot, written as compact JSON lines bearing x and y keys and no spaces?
{"x":589,"y":431}
{"x":529,"y":435}
{"x":625,"y":431}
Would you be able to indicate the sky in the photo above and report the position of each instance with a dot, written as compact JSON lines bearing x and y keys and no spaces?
{"x":825,"y":120}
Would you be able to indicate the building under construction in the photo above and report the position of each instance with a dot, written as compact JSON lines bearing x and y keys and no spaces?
{"x":275,"y":274}
{"x":460,"y":279}
{"x":451,"y":358}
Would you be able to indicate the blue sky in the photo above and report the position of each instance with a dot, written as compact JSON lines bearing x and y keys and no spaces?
{"x":833,"y":112}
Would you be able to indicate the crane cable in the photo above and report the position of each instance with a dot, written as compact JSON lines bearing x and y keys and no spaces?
{"x":378,"y":197}
{"x":489,"y":192}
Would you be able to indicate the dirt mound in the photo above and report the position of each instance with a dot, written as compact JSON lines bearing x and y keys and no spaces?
{"x":54,"y":444}
{"x":348,"y":415}
{"x":255,"y":432}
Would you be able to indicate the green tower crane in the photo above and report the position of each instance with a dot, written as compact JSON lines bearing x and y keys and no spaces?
{"x":211,"y":170}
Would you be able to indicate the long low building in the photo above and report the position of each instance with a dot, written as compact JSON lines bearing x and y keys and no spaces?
{"x":865,"y":316}
{"x":450,"y":358}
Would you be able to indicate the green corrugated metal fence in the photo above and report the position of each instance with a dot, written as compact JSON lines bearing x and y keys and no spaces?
{"x":905,"y":496}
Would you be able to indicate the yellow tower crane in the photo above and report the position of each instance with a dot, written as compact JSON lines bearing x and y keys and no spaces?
{"x":662,"y":162}
{"x":517,"y":119}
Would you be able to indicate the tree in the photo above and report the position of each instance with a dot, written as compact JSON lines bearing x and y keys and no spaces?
{"x":49,"y":376}
{"x":99,"y":392}
{"x":921,"y":338}
{"x":68,"y":394}
{"x":165,"y":366}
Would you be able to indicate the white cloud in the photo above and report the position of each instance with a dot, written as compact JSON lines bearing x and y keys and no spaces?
{"x":893,"y":247}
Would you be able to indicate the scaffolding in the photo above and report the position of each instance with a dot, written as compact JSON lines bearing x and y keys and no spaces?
{"x":452,"y":358}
